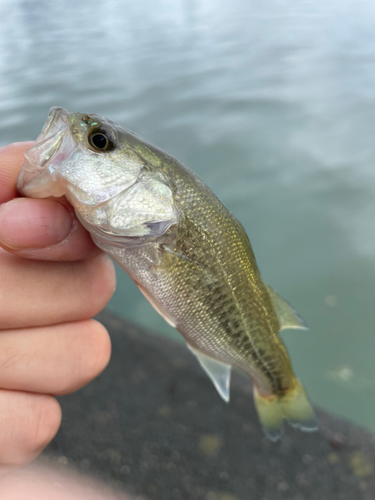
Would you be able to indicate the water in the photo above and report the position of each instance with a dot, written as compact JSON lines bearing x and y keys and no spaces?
{"x":272,"y":104}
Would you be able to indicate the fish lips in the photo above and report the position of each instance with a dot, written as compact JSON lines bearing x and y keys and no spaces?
{"x":38,"y":177}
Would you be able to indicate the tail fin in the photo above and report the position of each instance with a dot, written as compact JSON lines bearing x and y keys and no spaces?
{"x":293,"y":406}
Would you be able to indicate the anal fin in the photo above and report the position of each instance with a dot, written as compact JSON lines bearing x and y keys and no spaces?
{"x":217,"y":371}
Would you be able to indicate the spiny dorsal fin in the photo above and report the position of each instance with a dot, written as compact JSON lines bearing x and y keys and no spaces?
{"x":218,"y":372}
{"x":287,"y":316}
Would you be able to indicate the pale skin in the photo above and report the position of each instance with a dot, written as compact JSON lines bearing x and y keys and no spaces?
{"x":40,"y":483}
{"x":53,"y":279}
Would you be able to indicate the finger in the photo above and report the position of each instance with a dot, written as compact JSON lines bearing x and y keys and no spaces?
{"x":44,"y":293}
{"x":42,"y":483}
{"x":55,"y":359}
{"x":44,"y":230}
{"x":28,"y":422}
{"x":11,"y":161}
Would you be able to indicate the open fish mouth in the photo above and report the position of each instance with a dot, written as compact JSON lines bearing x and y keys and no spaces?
{"x":52,"y":147}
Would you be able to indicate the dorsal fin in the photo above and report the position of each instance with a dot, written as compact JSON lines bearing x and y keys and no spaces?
{"x":218,"y":372}
{"x":287,"y":316}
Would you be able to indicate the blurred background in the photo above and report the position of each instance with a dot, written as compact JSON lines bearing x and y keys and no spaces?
{"x":272,"y":104}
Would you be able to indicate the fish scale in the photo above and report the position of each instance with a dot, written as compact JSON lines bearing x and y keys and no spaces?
{"x":242,"y":291}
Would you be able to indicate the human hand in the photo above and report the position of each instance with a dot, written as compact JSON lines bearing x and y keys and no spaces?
{"x":52,"y":280}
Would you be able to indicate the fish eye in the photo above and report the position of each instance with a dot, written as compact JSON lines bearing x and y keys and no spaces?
{"x":101,"y":139}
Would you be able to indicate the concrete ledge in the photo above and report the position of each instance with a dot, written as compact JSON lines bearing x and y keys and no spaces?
{"x":153,"y":423}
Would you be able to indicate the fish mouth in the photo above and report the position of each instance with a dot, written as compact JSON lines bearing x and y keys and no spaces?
{"x":55,"y":143}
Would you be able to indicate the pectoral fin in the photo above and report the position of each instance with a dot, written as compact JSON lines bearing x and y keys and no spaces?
{"x":287,"y":316}
{"x":218,"y":372}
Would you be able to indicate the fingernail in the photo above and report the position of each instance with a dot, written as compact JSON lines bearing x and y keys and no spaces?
{"x":27,"y":223}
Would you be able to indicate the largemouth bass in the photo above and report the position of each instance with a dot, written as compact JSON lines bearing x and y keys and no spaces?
{"x":185,"y":251}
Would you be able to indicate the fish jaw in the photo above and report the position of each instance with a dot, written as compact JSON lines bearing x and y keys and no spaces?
{"x":38,"y":177}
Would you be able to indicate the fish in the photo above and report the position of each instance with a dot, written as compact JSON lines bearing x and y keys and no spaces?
{"x":185,"y":251}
